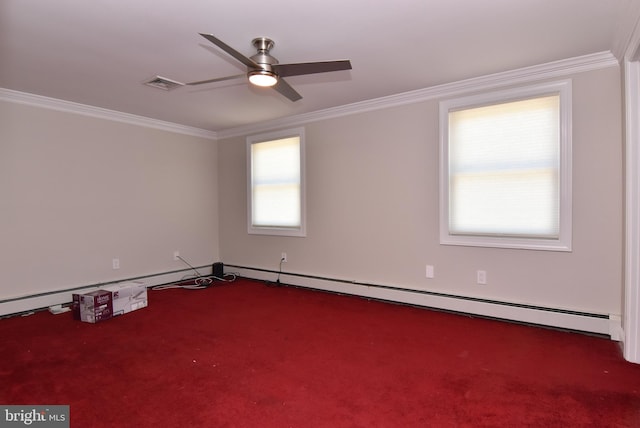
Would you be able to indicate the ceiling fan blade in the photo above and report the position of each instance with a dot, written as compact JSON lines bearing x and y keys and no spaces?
{"x":219,"y":79}
{"x":231,"y":51}
{"x":285,"y":89}
{"x":285,"y":70}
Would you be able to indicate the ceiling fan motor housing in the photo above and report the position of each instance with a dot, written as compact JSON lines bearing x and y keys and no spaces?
{"x":264,"y":45}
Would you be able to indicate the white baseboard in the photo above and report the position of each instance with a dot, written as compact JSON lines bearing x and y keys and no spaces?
{"x":609,"y":325}
{"x":29,"y":303}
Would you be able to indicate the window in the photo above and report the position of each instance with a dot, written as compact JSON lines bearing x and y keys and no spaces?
{"x":276,"y":183}
{"x":505,"y":160}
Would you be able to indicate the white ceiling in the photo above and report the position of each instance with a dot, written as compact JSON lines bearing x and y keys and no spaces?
{"x":99,"y":52}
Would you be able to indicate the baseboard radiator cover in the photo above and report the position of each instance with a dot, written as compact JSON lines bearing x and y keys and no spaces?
{"x":600,"y":324}
{"x":34,"y":302}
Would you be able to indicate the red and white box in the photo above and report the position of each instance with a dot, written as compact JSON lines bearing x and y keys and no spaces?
{"x":93,"y":307}
{"x":110,"y":301}
{"x":128,"y":296}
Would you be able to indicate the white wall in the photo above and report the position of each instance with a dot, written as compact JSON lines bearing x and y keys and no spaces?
{"x":372,"y":208}
{"x":78,"y":191}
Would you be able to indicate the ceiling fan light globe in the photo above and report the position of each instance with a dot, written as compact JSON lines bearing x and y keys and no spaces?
{"x":263,"y":78}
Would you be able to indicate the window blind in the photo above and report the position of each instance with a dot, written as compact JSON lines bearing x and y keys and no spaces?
{"x":504,"y":162}
{"x":275,"y":183}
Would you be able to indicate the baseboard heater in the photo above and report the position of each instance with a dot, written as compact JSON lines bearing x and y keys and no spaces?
{"x":593,"y":323}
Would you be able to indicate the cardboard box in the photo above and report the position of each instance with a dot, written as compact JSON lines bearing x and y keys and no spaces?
{"x":110,"y":301}
{"x":93,"y":307}
{"x":128,"y":296}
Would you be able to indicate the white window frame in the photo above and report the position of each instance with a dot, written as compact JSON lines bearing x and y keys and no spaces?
{"x":563,"y":241}
{"x":272,"y":230}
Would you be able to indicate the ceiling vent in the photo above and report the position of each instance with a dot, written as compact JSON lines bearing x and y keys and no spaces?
{"x":163,"y":83}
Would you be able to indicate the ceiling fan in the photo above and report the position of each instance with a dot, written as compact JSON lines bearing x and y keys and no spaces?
{"x":264,"y":70}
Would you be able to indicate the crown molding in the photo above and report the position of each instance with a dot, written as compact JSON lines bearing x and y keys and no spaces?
{"x":550,"y":70}
{"x":535,"y":73}
{"x":101,"y":113}
{"x":627,"y":33}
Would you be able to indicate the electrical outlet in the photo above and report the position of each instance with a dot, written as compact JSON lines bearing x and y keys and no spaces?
{"x":481,"y":277}
{"x":176,"y":255}
{"x":429,"y":271}
{"x":284,"y":258}
{"x":116,"y":263}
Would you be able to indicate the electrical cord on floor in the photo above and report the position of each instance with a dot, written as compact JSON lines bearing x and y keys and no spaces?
{"x":200,"y":282}
{"x":279,"y":271}
{"x":231,"y":274}
{"x":269,"y":283}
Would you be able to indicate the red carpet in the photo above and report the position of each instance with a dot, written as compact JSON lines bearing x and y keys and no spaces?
{"x":247,"y":355}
